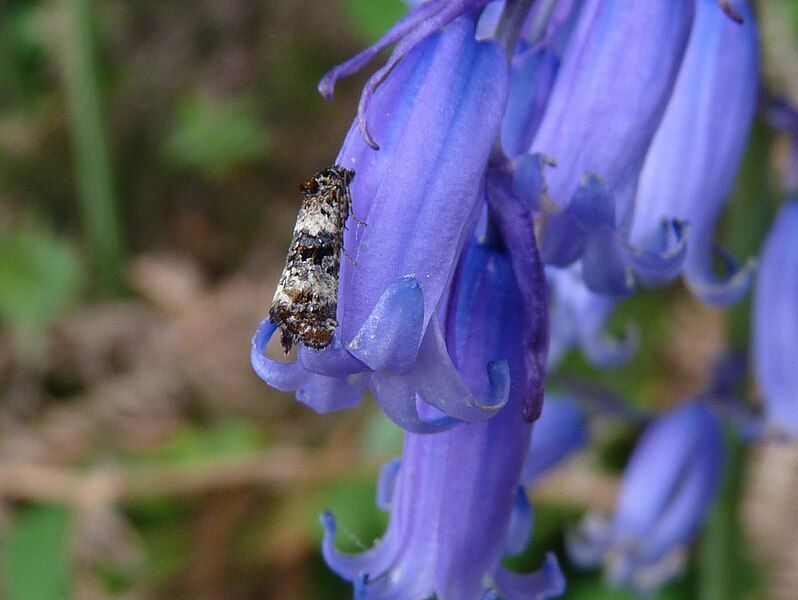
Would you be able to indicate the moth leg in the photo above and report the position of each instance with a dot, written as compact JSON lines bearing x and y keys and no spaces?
{"x":352,"y":260}
{"x":356,"y":220}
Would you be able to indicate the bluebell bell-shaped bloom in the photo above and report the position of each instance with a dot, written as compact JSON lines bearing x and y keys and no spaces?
{"x":775,"y":323}
{"x":612,"y":85}
{"x":667,"y":490}
{"x":692,"y":163}
{"x":436,"y":115}
{"x":578,"y":319}
{"x":454,"y":496}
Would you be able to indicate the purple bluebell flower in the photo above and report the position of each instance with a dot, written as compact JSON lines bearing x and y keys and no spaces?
{"x":667,"y":490}
{"x":691,"y":165}
{"x":611,"y":88}
{"x":775,"y":323}
{"x":455,"y":499}
{"x":436,"y":116}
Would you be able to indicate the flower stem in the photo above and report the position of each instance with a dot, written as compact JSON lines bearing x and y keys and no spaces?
{"x":92,"y":165}
{"x":721,"y":555}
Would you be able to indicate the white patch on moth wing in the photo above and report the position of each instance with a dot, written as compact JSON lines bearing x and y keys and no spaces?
{"x":322,"y":284}
{"x":316,"y":223}
{"x":280,"y":297}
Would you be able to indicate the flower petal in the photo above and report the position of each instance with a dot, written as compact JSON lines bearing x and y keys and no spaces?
{"x":546,"y":582}
{"x":660,"y":259}
{"x":389,"y":338}
{"x":439,"y":384}
{"x":517,"y":227}
{"x":328,"y":394}
{"x":285,"y":377}
{"x":332,"y":361}
{"x":397,"y":397}
{"x":519,"y":531}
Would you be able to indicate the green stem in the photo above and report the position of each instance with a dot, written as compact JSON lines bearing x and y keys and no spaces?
{"x":721,"y":560}
{"x":92,"y":164}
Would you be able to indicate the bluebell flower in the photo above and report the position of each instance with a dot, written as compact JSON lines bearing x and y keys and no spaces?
{"x":667,"y":490}
{"x":692,"y":163}
{"x":611,"y":87}
{"x":436,"y":117}
{"x":455,"y":498}
{"x":775,"y":323}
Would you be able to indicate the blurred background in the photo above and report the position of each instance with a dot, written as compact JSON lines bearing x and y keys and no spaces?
{"x":149,"y":157}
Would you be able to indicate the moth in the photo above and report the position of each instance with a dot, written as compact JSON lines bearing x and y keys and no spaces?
{"x":306,"y":299}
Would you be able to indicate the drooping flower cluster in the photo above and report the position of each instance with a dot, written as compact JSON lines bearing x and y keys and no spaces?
{"x":608,"y":131}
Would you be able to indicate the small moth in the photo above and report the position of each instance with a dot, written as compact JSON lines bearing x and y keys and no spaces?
{"x":306,"y":299}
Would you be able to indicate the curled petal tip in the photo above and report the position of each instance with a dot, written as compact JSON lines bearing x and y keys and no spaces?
{"x":662,"y":261}
{"x":723,"y":292}
{"x":282,"y":376}
{"x":327,"y":520}
{"x":326,"y":85}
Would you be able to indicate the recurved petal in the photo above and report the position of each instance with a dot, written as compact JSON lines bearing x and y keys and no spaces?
{"x":332,"y":361}
{"x":438,"y":383}
{"x":546,"y":582}
{"x":327,"y":394}
{"x":592,"y":209}
{"x":659,"y":259}
{"x":285,"y":377}
{"x":389,"y":338}
{"x":396,"y":395}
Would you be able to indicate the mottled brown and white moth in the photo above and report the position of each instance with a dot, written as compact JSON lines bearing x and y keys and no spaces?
{"x":306,"y":299}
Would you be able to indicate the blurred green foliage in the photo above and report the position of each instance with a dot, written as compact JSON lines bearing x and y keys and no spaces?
{"x":37,"y":561}
{"x":372,"y":18}
{"x":211,"y":136}
{"x":40,"y":276}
